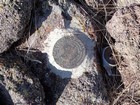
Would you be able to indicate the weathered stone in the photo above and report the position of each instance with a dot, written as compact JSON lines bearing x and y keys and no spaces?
{"x":86,"y":90}
{"x":23,"y":87}
{"x":55,"y":22}
{"x":124,"y":27}
{"x":14,"y":17}
{"x":123,"y":3}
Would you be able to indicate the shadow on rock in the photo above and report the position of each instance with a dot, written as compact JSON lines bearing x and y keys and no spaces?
{"x":5,"y":98}
{"x":20,"y":82}
{"x":99,"y":16}
{"x":65,"y":91}
{"x":53,"y":85}
{"x":40,"y":12}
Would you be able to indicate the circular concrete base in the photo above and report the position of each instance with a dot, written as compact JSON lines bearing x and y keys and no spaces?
{"x":78,"y":59}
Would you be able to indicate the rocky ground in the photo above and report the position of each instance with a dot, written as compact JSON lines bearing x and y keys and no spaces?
{"x":22,"y":85}
{"x":124,"y":28}
{"x":14,"y":18}
{"x":25,"y":77}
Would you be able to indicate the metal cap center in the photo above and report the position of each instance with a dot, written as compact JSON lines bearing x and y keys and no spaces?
{"x":69,"y":52}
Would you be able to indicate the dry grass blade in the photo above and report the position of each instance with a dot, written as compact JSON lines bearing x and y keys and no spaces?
{"x":125,"y":90}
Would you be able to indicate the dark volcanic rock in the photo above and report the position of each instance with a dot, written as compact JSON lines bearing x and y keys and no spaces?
{"x":14,"y":17}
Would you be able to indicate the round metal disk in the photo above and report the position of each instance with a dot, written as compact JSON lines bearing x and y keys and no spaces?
{"x":69,"y":52}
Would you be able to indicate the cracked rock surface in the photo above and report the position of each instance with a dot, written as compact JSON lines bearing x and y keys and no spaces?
{"x":35,"y":25}
{"x":89,"y":88}
{"x":124,"y":27}
{"x":14,"y":17}
{"x":23,"y":87}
